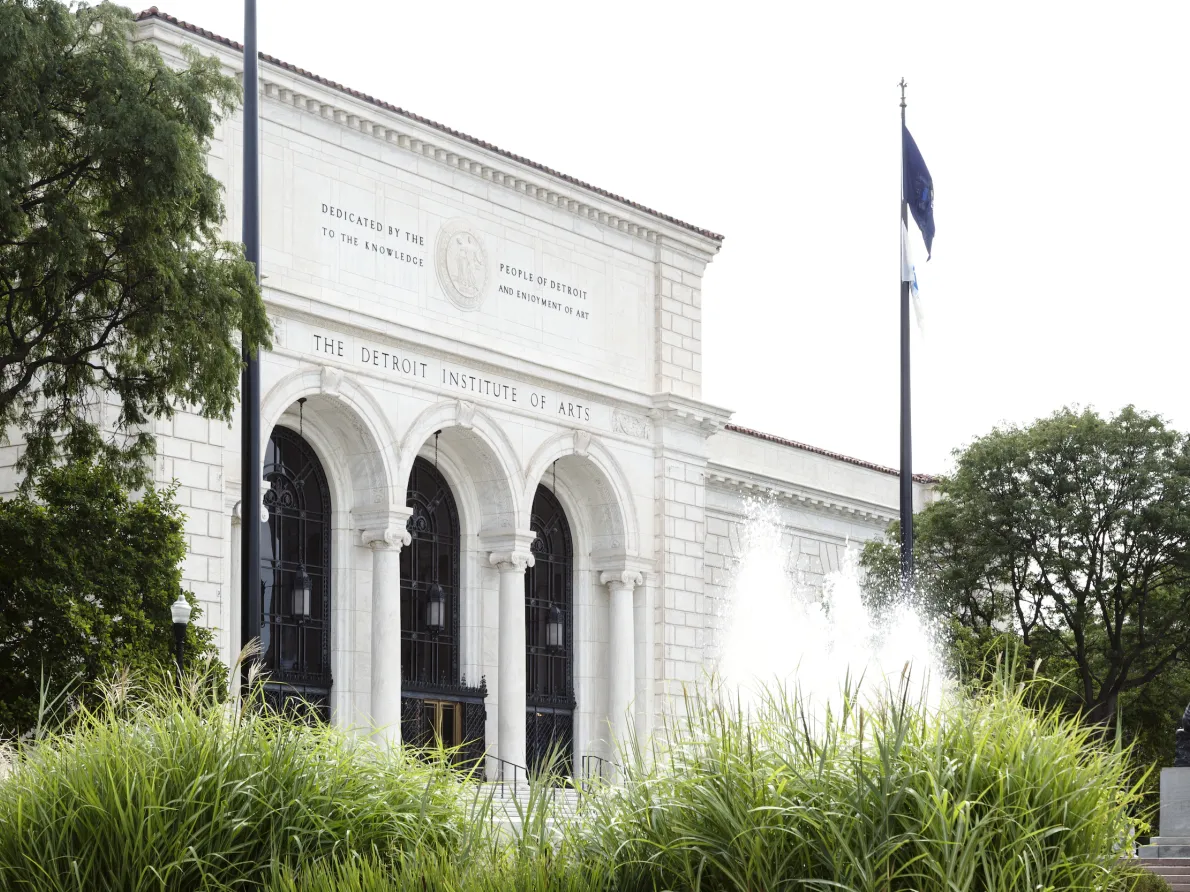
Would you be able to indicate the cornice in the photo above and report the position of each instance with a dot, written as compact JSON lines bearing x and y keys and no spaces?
{"x":669,"y":408}
{"x":925,"y":479}
{"x":731,"y":479}
{"x":395,"y":127}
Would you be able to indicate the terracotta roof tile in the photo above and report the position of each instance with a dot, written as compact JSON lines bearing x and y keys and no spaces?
{"x":872,"y":466}
{"x":153,"y":12}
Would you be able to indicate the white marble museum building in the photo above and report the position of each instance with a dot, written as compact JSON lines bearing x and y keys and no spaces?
{"x":498,"y":510}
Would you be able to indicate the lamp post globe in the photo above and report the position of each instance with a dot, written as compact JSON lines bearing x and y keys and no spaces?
{"x":180,"y":611}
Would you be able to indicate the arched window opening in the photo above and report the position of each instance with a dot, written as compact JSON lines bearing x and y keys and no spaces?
{"x":295,"y":578}
{"x":549,"y":638}
{"x":437,"y":705}
{"x":430,"y":581}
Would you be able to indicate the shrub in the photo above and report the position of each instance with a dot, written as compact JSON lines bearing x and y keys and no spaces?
{"x":154,"y":790}
{"x":87,"y":575}
{"x":1148,"y":882}
{"x":986,"y":794}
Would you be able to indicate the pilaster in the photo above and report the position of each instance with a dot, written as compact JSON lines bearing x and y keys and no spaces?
{"x":682,"y":427}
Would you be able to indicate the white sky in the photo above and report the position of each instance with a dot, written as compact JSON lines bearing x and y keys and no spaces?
{"x":1056,"y":134}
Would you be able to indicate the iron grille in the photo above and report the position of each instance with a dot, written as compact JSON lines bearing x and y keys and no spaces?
{"x":549,"y":741}
{"x":422,"y":726}
{"x":432,"y":556}
{"x":295,"y":647}
{"x":549,"y":672}
{"x":309,"y":705}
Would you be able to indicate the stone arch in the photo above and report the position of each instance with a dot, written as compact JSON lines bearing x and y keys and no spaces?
{"x":597,"y":483}
{"x":482,"y":455}
{"x":349,"y":426}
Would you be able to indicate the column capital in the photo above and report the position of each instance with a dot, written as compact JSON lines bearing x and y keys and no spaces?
{"x":384,"y":528}
{"x":386,"y":537}
{"x":615,"y":579}
{"x":511,"y":560}
{"x":509,"y":549}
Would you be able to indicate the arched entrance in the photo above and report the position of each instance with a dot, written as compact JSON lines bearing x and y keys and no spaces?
{"x":295,"y":578}
{"x":549,"y":638}
{"x":436,"y":704}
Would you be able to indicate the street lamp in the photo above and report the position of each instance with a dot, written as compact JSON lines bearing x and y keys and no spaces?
{"x":302,"y":587}
{"x":180,"y":611}
{"x":553,"y":629}
{"x":436,"y":610}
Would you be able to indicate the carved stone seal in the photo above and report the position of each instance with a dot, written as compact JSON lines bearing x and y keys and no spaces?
{"x":462,"y":264}
{"x":632,"y":425}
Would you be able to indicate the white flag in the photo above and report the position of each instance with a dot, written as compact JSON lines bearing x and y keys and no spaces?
{"x":909,"y":274}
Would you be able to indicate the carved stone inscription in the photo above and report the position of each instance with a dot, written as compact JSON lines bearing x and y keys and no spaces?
{"x":326,"y":345}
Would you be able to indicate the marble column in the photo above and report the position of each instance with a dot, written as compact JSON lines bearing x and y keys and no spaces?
{"x":386,"y":547}
{"x":511,"y":685}
{"x":621,"y":650}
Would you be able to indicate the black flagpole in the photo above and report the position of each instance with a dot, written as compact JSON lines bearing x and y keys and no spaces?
{"x":906,"y":414}
{"x":251,"y":469}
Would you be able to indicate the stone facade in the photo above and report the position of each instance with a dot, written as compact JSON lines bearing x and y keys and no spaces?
{"x":433,"y":296}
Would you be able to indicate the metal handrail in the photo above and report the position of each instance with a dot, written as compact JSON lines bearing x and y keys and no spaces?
{"x":506,"y":772}
{"x":509,"y":776}
{"x":604,"y":769}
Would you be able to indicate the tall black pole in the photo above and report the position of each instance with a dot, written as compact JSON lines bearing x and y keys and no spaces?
{"x":906,"y":414}
{"x":251,"y":469}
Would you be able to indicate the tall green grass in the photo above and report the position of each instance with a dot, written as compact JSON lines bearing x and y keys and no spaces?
{"x":161,"y":790}
{"x":985,"y":795}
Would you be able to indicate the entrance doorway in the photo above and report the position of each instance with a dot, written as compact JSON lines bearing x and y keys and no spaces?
{"x":295,"y":578}
{"x":549,"y":639}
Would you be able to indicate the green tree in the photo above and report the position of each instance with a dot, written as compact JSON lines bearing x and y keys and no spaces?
{"x":114,"y":283}
{"x":87,"y":575}
{"x":1071,"y":535}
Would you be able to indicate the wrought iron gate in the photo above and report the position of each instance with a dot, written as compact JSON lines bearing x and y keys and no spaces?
{"x":453,"y":716}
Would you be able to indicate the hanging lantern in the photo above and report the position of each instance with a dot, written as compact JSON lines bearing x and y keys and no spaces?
{"x":302,"y":588}
{"x":553,"y":629}
{"x":436,"y":609}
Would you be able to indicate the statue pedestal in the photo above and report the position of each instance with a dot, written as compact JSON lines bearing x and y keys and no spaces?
{"x":1174,"y":841}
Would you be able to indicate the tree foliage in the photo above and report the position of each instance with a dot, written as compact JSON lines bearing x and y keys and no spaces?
{"x":87,"y":575}
{"x":1071,"y":534}
{"x":114,"y":283}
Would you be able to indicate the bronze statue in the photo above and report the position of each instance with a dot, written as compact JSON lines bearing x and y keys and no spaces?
{"x":1182,"y":747}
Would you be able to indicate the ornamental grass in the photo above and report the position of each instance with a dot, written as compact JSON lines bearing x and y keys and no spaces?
{"x":985,"y":794}
{"x":161,"y":789}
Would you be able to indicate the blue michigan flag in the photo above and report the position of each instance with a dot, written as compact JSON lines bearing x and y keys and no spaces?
{"x":918,"y":188}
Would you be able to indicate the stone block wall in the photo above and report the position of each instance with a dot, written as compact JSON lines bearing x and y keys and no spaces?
{"x":679,"y":320}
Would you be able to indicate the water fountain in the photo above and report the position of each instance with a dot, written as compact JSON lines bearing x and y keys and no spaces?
{"x":779,"y":632}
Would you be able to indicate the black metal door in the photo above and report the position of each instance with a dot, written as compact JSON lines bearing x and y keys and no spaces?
{"x":549,"y":665}
{"x":295,"y":542}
